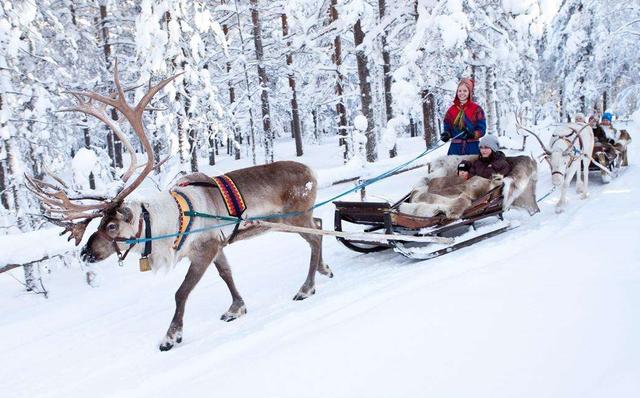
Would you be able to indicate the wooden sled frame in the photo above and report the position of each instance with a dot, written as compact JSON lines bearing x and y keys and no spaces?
{"x":612,"y":165}
{"x":376,"y":216}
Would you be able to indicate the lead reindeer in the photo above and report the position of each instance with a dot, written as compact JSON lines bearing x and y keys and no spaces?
{"x":273,"y":189}
{"x":568,"y":155}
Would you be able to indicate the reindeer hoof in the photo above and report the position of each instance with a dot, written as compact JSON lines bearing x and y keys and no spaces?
{"x":301,"y":296}
{"x":165,"y":347}
{"x":325,"y":270}
{"x":584,"y":195}
{"x":233,"y":315}
{"x":168,"y":342}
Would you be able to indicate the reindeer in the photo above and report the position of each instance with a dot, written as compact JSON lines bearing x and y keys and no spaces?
{"x":623,"y":140}
{"x":285,"y":189}
{"x":568,"y":154}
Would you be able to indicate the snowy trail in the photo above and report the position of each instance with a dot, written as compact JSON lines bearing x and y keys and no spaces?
{"x":547,"y":310}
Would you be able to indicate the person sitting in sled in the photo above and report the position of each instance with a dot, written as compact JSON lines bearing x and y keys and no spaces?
{"x":464,"y":122}
{"x":491,"y":160}
{"x":604,"y":135}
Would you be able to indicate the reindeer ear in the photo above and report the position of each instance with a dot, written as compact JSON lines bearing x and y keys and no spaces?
{"x":126,"y":213}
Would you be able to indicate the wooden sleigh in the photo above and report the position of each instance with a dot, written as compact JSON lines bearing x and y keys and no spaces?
{"x":608,"y":166}
{"x":482,"y":220}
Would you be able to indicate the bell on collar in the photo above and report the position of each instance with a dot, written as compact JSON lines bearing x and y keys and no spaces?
{"x":145,"y":265}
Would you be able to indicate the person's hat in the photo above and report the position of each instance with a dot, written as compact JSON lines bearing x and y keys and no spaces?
{"x":607,"y":116}
{"x":465,"y":165}
{"x":490,"y":141}
{"x":469,"y":83}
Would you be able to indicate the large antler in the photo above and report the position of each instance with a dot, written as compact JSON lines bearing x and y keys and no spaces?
{"x":521,"y":127}
{"x":66,"y":211}
{"x":132,"y":114}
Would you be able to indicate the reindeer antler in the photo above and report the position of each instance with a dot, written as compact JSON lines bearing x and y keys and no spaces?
{"x":521,"y":127}
{"x":64,"y":210}
{"x":133,"y":115}
{"x":577,"y":133}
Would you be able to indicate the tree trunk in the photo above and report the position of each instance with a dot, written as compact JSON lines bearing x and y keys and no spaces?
{"x":232,"y":99}
{"x":193,"y":149}
{"x":386,"y":69}
{"x":4,"y":192}
{"x":212,"y":148}
{"x":262,"y":76}
{"x":316,"y":133}
{"x":604,"y":101}
{"x":340,"y":108}
{"x":4,"y":176}
{"x":491,"y":102}
{"x":252,"y":135}
{"x":87,"y":145}
{"x":116,"y":153}
{"x":428,"y":117}
{"x":15,"y":177}
{"x":365,"y":92}
{"x":496,"y":102}
{"x":30,"y":278}
{"x":295,"y":116}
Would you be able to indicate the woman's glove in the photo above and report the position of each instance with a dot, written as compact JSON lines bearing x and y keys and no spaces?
{"x":469,"y":135}
{"x":445,"y":137}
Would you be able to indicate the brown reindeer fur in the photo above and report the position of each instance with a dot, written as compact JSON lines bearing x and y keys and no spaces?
{"x":621,"y":144}
{"x":276,"y":188}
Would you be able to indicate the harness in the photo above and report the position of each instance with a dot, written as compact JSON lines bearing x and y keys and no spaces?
{"x":572,"y":151}
{"x":184,"y":219}
{"x":144,"y":219}
{"x":231,"y":195}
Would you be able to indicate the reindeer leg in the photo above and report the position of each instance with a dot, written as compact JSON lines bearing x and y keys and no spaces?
{"x":315,"y":241}
{"x":585,"y":177}
{"x":562,"y":202}
{"x":197,"y":268}
{"x":322,"y":267}
{"x":579,"y":176}
{"x":237,"y":308}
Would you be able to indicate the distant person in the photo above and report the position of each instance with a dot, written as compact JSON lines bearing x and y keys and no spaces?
{"x":464,"y":122}
{"x":579,"y":118}
{"x":603,"y":132}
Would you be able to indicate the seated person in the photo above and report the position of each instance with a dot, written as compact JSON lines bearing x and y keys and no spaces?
{"x":604,"y":135}
{"x":491,"y":161}
{"x":450,"y":195}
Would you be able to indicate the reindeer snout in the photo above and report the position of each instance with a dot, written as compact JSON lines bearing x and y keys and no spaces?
{"x":87,"y":256}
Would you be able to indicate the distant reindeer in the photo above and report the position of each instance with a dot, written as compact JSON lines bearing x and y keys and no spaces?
{"x":568,"y":154}
{"x":273,"y":189}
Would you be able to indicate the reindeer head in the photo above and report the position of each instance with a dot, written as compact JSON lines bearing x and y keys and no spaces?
{"x":560,"y":152}
{"x":75,"y":212}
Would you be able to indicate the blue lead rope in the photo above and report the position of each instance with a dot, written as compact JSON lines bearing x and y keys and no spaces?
{"x":235,"y":220}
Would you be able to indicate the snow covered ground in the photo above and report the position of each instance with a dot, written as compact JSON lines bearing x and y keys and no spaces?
{"x":549,"y":309}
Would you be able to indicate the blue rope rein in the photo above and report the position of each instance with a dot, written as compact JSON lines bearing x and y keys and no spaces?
{"x":235,"y":220}
{"x":547,"y":194}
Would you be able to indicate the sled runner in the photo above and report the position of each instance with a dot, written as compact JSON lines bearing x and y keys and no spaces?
{"x":482,"y":220}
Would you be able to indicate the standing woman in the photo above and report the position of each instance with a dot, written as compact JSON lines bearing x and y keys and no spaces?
{"x":464,"y":122}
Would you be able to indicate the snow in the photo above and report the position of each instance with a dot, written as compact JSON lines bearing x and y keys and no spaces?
{"x":548,"y":309}
{"x":360,"y":122}
{"x":83,"y":164}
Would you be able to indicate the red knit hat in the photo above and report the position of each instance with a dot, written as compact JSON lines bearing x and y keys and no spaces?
{"x":467,"y":82}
